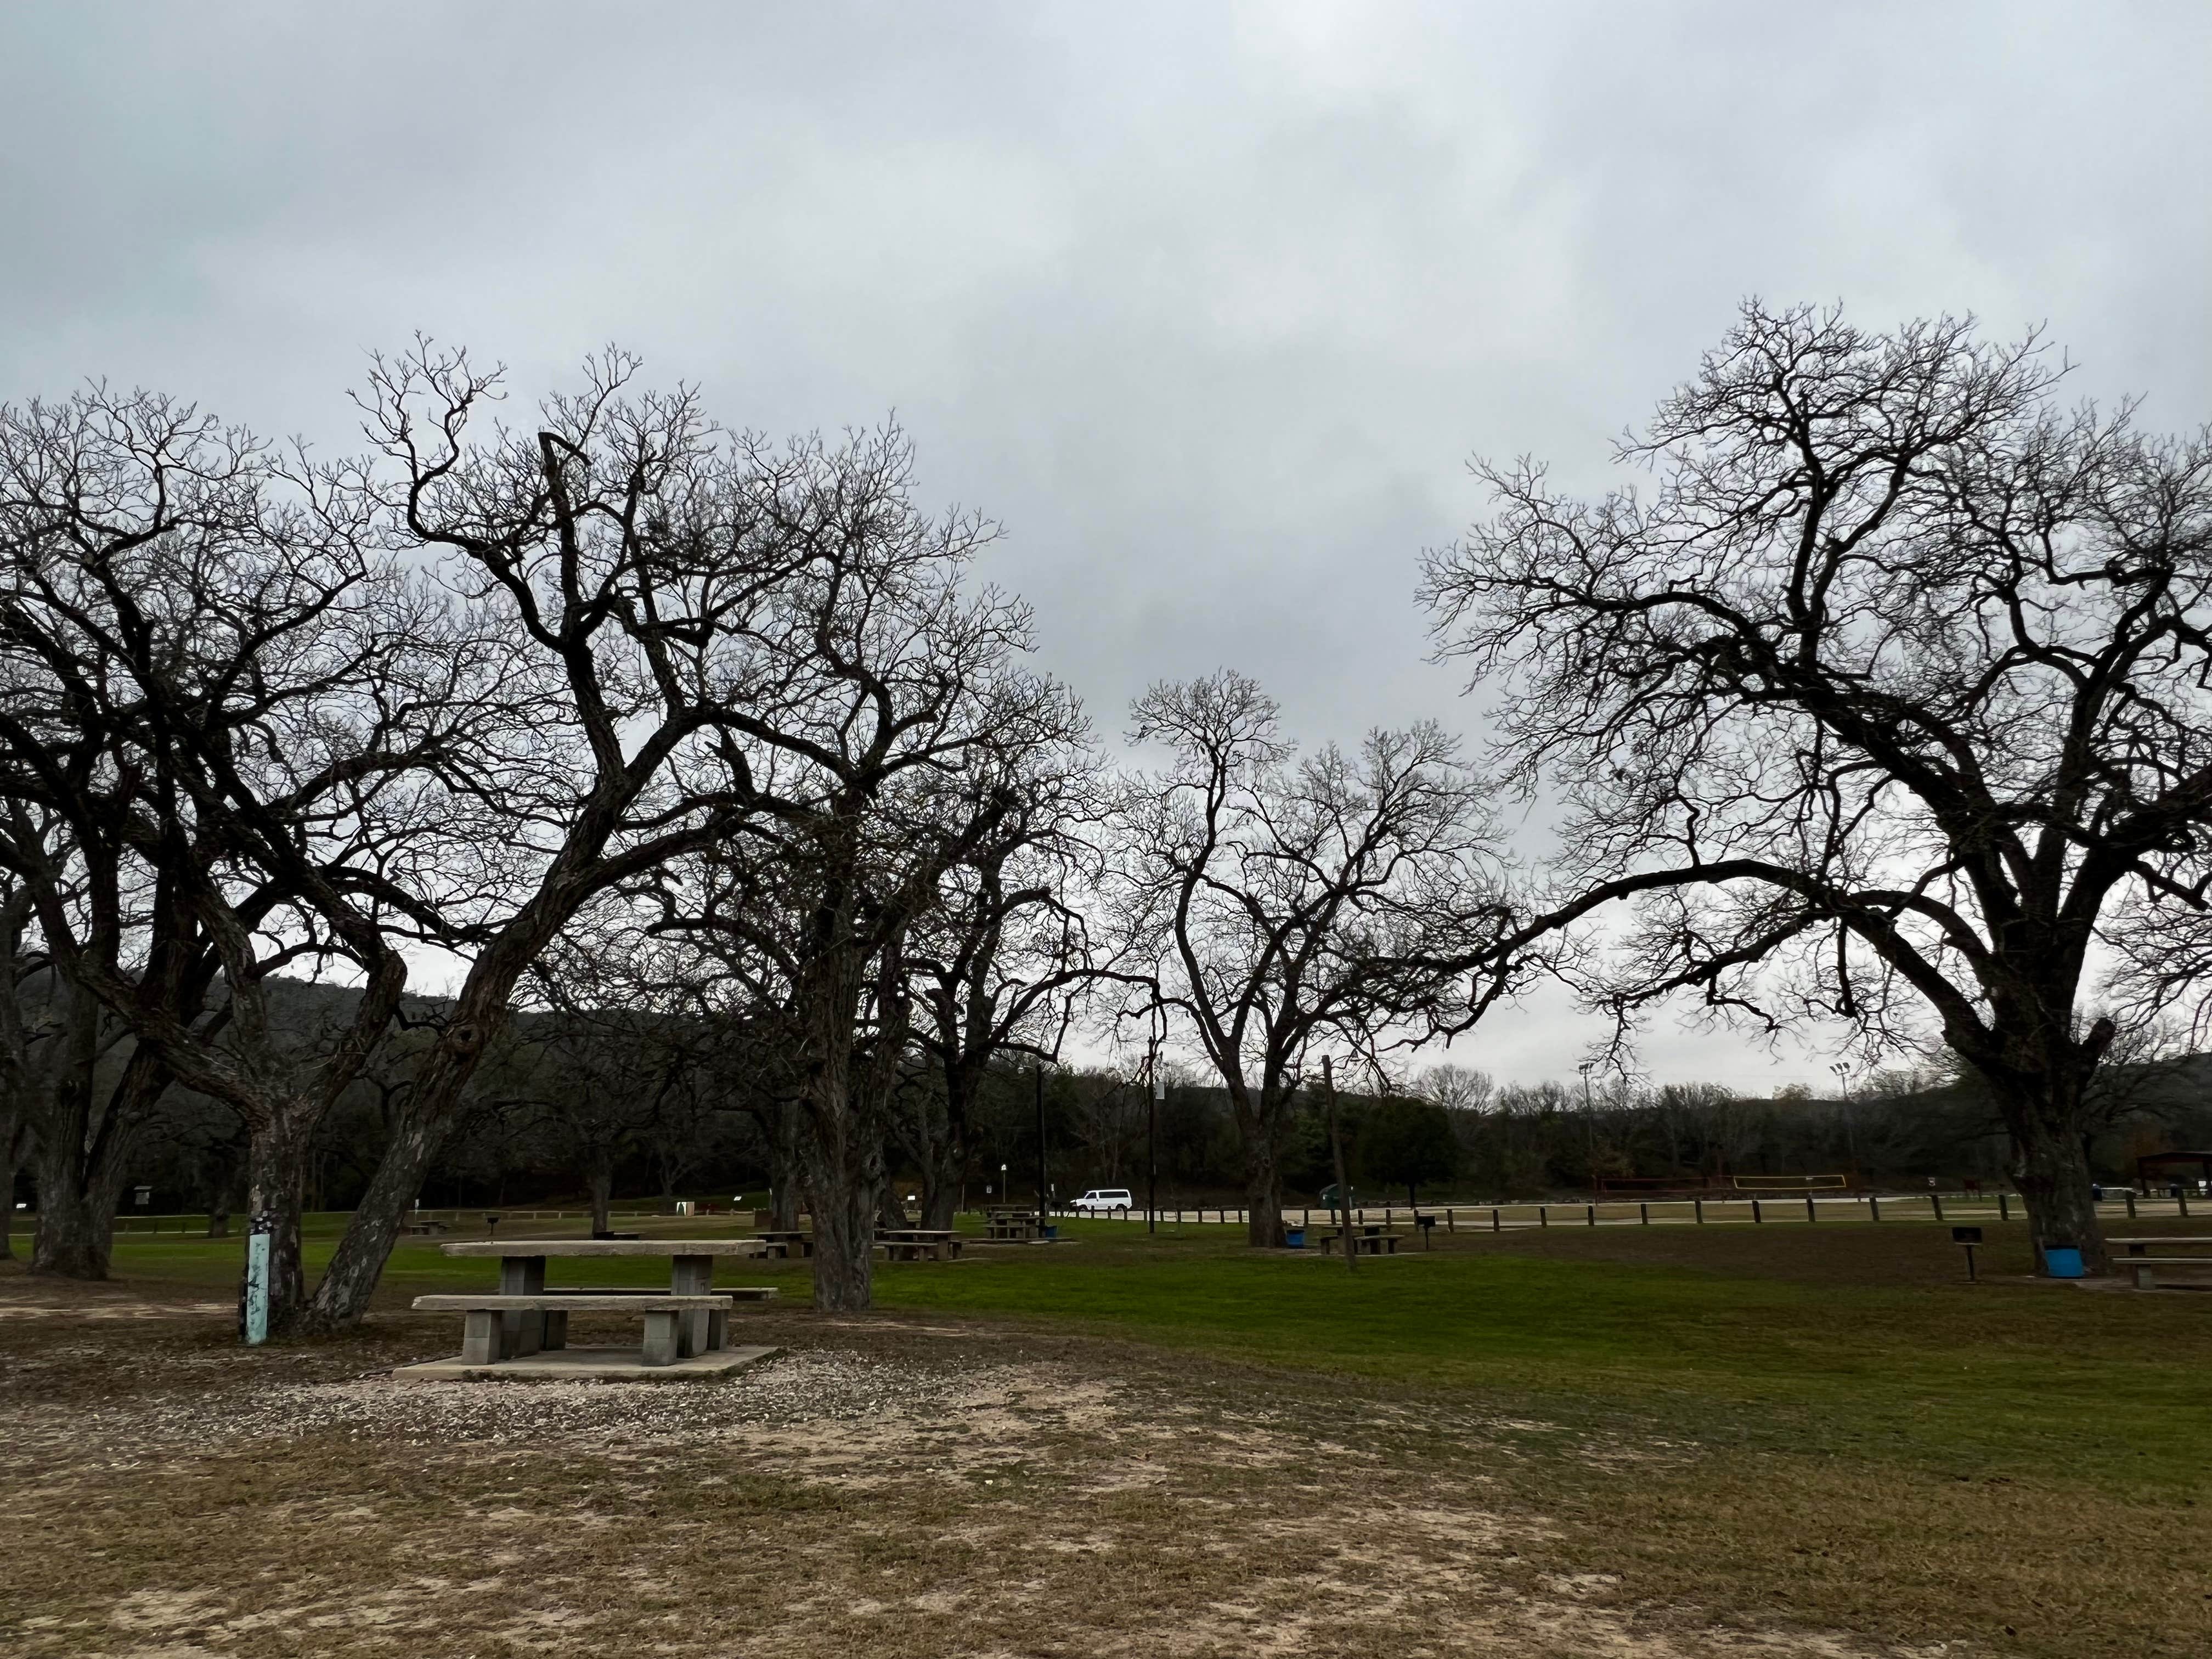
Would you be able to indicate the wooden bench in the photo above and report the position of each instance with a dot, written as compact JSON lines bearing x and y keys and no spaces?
{"x":665,"y":1316}
{"x":1371,"y":1241}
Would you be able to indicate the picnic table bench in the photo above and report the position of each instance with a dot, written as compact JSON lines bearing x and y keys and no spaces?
{"x":1369,"y":1240}
{"x":688,"y":1319}
{"x":1003,"y":1225}
{"x":2145,"y":1266}
{"x":666,"y":1319}
{"x":786,"y":1243}
{"x":918,"y":1244}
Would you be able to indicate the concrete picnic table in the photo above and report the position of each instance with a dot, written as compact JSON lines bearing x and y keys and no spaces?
{"x":2145,"y":1266}
{"x":522,"y":1274}
{"x":915,"y":1243}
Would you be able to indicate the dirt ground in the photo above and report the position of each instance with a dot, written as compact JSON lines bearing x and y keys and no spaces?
{"x":886,"y":1484}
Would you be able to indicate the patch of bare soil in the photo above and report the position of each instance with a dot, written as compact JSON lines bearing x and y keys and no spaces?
{"x":926,"y":1490}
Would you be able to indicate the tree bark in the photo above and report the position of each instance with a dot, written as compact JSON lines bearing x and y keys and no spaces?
{"x":83,"y":1151}
{"x":603,"y":1186}
{"x":79,"y":1188}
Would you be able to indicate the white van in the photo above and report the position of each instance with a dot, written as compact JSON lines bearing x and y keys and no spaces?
{"x":1104,"y":1200}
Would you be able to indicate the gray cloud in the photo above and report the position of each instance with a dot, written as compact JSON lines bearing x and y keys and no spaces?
{"x":1209,"y":306}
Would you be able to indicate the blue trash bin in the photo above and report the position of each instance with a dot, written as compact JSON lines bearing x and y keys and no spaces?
{"x":1295,"y":1238}
{"x":2062,"y":1262}
{"x":1051,"y":1231}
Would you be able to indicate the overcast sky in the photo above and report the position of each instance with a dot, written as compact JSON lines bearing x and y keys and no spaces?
{"x":1208,"y":305}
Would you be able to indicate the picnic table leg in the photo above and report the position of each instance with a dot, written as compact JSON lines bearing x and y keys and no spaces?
{"x":556,"y":1330}
{"x":521,"y":1335}
{"x":480,"y":1338}
{"x":692,"y":1275}
{"x":663,"y":1337}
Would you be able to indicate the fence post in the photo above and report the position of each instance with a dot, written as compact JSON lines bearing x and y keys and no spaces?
{"x":1755,"y":1214}
{"x":1644,"y":1214}
{"x":1698,"y":1209}
{"x":1810,"y":1214}
{"x":2131,"y":1204}
{"x":1496,"y":1221}
{"x":1936,"y":1202}
{"x":1449,"y":1225}
{"x":2181,"y":1197}
{"x":2004,"y":1207}
{"x":1873,"y":1203}
{"x":1592,"y":1210}
{"x":1543,"y":1215}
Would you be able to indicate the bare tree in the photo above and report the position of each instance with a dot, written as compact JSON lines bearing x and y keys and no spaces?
{"x":1890,"y":702}
{"x":1341,"y":898}
{"x":888,"y":753}
{"x":625,"y":546}
{"x":232,"y":702}
{"x":999,"y":960}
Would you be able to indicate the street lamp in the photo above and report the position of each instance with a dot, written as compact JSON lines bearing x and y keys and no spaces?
{"x":1843,"y":1071}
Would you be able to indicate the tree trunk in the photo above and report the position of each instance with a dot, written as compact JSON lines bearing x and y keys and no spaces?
{"x":78,"y":1191}
{"x":277,"y":1165}
{"x":13,"y":1137}
{"x":81,"y":1151}
{"x":2053,"y":1178}
{"x":845,"y":1194}
{"x":785,"y":1169}
{"x":603,"y":1186}
{"x":1263,"y":1196}
{"x":350,"y":1282}
{"x":890,"y":1208}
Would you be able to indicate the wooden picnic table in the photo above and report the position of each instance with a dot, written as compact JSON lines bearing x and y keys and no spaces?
{"x":700,"y":1325}
{"x":918,"y":1244}
{"x":2145,"y":1266}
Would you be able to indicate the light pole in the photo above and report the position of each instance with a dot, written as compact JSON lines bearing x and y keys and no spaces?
{"x":1152,"y":1153}
{"x":1843,"y":1071}
{"x":1589,"y":1119}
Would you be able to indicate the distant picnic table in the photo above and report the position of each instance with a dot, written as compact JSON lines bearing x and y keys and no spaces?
{"x":787,"y":1241}
{"x":2144,"y":1265}
{"x":1369,"y":1238}
{"x":526,"y":1317}
{"x":918,"y":1244}
{"x":1003,"y":1224}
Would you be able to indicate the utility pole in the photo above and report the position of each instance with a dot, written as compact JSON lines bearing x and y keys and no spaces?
{"x":1044,"y":1198}
{"x":1343,"y":1189}
{"x":1152,"y":1152}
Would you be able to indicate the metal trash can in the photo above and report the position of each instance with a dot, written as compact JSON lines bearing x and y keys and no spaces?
{"x":2062,"y":1262}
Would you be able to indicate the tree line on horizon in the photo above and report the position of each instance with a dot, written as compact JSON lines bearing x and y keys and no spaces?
{"x":1884,"y":705}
